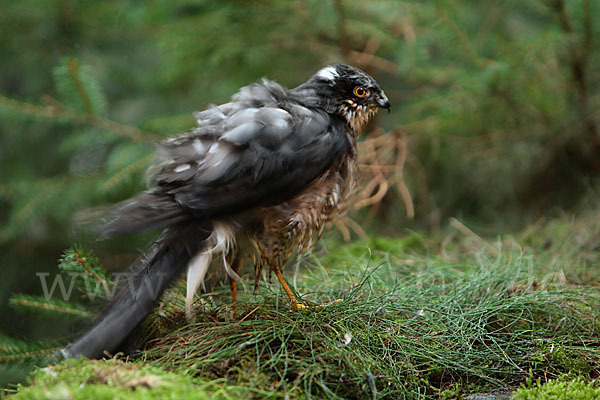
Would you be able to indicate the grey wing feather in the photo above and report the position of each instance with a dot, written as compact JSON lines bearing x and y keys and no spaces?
{"x":259,"y":149}
{"x":242,"y":134}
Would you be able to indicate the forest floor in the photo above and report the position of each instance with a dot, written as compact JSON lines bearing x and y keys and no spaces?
{"x":450,"y":317}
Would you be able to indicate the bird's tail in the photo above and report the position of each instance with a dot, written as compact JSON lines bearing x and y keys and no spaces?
{"x":149,"y":277}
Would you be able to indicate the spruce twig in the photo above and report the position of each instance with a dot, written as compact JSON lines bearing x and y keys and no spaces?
{"x":74,"y":73}
{"x":56,"y":110}
{"x":51,"y":307}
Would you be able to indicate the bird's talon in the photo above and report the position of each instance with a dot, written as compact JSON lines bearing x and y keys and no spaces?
{"x":299,"y":306}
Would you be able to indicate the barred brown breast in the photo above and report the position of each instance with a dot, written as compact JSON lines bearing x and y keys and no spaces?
{"x":294,"y":225}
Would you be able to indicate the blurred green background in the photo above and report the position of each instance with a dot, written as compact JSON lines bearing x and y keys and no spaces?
{"x":498,"y":101}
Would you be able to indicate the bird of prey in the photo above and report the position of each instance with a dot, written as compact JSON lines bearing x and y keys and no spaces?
{"x":256,"y":180}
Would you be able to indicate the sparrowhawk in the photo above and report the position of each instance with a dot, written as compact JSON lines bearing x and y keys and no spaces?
{"x":257,"y":179}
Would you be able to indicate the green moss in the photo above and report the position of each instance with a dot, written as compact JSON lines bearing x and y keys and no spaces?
{"x":576,"y":389}
{"x":407,"y":326}
{"x":115,"y":379}
{"x":561,"y":358}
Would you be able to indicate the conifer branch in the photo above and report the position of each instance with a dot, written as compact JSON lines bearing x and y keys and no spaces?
{"x":27,"y":356}
{"x":58,"y":111}
{"x":74,"y":261}
{"x":25,"y":352}
{"x":458,"y":32}
{"x":127,"y":171}
{"x":37,"y":304}
{"x":74,"y":73}
{"x":79,"y":258}
{"x":38,"y":201}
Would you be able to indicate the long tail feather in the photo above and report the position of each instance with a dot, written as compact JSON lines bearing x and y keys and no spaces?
{"x":146,"y":211}
{"x":155,"y":271}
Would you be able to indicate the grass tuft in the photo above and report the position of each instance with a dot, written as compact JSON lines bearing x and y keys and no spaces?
{"x":417,"y":318}
{"x":408,"y":329}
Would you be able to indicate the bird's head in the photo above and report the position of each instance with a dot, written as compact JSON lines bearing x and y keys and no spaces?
{"x":350,"y":93}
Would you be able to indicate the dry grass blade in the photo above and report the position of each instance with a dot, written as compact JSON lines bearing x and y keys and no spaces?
{"x":382,"y":158}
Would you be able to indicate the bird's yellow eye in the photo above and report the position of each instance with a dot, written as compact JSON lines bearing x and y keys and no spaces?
{"x":360,"y":91}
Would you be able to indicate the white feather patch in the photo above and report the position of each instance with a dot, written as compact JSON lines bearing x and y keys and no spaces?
{"x":213,"y":148}
{"x":221,"y":240}
{"x":195,"y":277}
{"x":329,"y":73}
{"x":199,"y":146}
{"x":224,"y":243}
{"x":182,"y":167}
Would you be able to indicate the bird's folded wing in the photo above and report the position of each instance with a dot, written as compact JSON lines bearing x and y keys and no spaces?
{"x":258,"y":150}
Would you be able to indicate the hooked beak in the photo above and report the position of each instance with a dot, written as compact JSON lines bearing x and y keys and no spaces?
{"x":384,"y":102}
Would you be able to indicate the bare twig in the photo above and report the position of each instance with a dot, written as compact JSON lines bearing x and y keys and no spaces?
{"x":381,"y":161}
{"x":375,"y":62}
{"x":467,"y":232}
{"x":339,"y":223}
{"x":400,"y":162}
{"x":356,"y":228}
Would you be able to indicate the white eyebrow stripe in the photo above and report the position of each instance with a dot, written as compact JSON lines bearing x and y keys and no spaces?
{"x":329,"y":73}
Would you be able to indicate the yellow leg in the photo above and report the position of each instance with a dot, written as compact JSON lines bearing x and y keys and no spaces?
{"x":295,"y":304}
{"x":235,"y":265}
